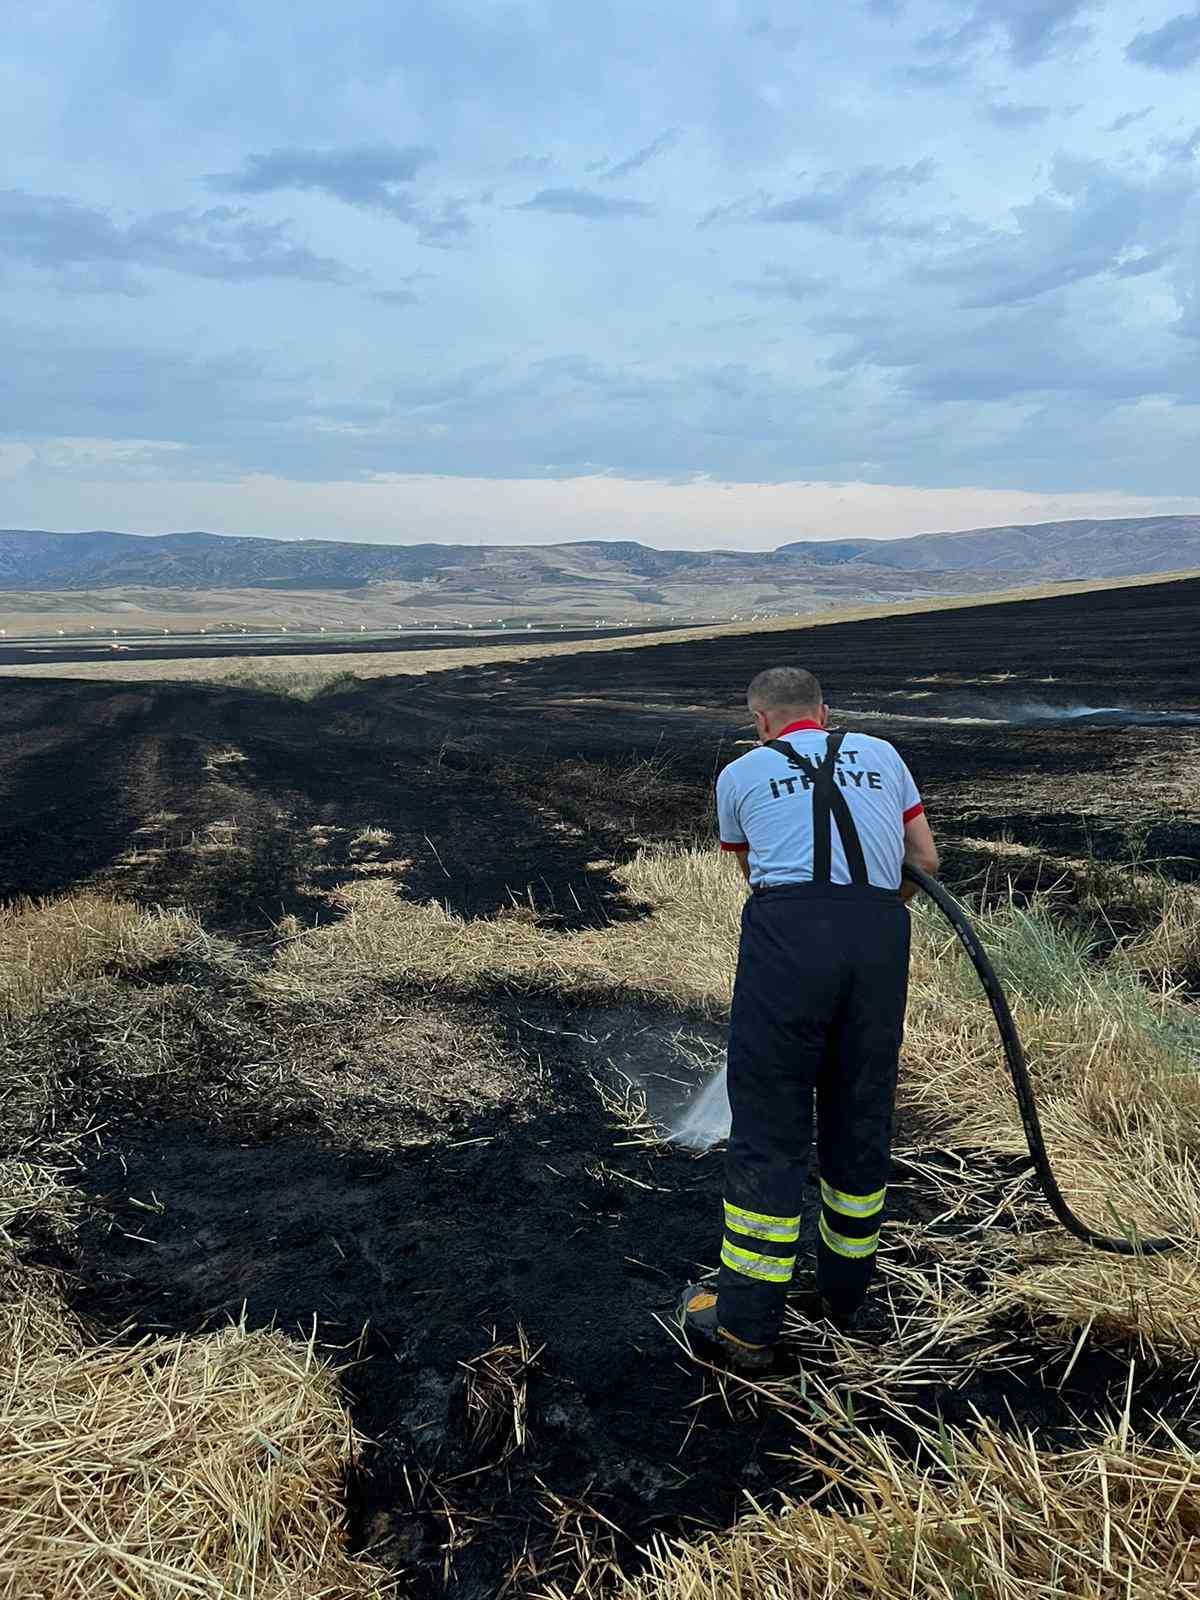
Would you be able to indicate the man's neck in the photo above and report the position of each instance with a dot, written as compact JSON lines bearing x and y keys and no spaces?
{"x":797,"y":722}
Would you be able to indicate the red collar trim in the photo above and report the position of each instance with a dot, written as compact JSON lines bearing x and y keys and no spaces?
{"x":796,"y":727}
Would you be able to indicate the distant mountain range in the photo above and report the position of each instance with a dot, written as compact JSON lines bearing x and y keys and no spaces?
{"x":586,"y":575}
{"x":1118,"y":547}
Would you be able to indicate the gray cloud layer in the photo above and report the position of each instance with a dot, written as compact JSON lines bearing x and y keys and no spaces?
{"x":366,"y":176}
{"x":1093,"y":220}
{"x":1008,"y":114}
{"x":1033,"y":30}
{"x":224,"y":242}
{"x":1172,"y":48}
{"x":584,"y":203}
{"x":640,"y":158}
{"x":1128,"y":119}
{"x":361,"y":177}
{"x":840,"y":200}
{"x":878,"y":241}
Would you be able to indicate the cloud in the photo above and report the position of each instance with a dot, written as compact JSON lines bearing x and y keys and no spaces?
{"x":224,"y":242}
{"x":1094,"y":219}
{"x":1127,"y":120}
{"x":938,"y":73}
{"x":368,"y":177}
{"x":639,"y":158}
{"x":1017,"y":356}
{"x":836,"y":200}
{"x":1033,"y":30}
{"x":1172,"y":48}
{"x":361,"y":176}
{"x":988,"y":285}
{"x":444,"y":225}
{"x":1016,"y":396}
{"x":1180,"y":150}
{"x":1137,"y":266}
{"x":584,"y":203}
{"x":1007,"y":114}
{"x":53,"y":383}
{"x":783,"y":283}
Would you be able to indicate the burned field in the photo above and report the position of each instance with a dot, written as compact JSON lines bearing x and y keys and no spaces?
{"x":358,"y":1017}
{"x":499,"y":780}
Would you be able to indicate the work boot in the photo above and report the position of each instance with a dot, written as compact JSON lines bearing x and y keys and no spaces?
{"x":862,"y":1321}
{"x":697,"y":1316}
{"x":845,"y":1321}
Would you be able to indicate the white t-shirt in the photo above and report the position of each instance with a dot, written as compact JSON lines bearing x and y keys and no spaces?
{"x":764,"y":806}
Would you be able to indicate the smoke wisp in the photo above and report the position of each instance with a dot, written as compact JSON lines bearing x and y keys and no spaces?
{"x":1040,"y":713}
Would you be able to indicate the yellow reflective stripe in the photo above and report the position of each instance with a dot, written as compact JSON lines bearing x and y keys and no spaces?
{"x":757,"y":1225}
{"x":852,"y":1205}
{"x":768,"y":1269}
{"x":854,"y":1249}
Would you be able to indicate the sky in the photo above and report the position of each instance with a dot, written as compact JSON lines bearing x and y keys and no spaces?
{"x":522,"y":270}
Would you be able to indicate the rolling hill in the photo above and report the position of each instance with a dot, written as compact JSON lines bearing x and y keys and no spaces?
{"x":89,"y":575}
{"x":1119,"y":547}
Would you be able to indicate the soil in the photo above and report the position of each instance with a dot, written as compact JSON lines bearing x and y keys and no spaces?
{"x":523,"y":1206}
{"x":144,"y":784}
{"x":540,"y":1220}
{"x":528,"y":1219}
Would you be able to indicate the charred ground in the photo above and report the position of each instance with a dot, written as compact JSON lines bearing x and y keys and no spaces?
{"x":505,"y":780}
{"x":420,"y":1228}
{"x":416,"y":1242}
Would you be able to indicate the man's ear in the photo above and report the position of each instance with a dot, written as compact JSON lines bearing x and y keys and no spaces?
{"x":823,"y":715}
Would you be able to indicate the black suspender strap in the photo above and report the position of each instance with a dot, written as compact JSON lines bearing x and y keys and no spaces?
{"x":822,"y":812}
{"x":851,"y":843}
{"x":829,"y":805}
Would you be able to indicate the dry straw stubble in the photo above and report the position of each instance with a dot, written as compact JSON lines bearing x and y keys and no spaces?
{"x":176,"y":1469}
{"x":968,"y":1515}
{"x":207,"y":1467}
{"x":48,"y":946}
{"x":1112,"y":1058}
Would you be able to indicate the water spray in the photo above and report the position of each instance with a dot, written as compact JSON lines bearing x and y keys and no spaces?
{"x":707,"y":1119}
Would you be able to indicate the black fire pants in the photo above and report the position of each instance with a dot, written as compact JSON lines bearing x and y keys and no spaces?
{"x":818,"y":1008}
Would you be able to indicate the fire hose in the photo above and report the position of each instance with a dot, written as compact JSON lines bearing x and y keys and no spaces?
{"x":1014,"y":1054}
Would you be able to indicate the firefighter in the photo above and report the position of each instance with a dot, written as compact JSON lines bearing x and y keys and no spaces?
{"x":820,"y":825}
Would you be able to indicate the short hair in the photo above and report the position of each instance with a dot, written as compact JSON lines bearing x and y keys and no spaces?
{"x":781,"y":688}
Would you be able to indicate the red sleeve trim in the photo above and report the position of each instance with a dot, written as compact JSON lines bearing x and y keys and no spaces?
{"x":738,"y":847}
{"x":913,"y":811}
